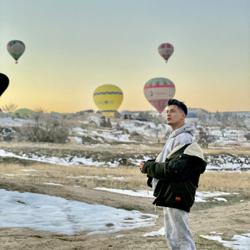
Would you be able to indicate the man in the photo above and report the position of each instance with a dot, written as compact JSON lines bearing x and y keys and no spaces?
{"x":174,"y":176}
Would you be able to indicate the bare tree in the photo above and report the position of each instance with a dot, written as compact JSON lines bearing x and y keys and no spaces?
{"x":9,"y":108}
{"x":46,"y":128}
{"x":204,"y":137}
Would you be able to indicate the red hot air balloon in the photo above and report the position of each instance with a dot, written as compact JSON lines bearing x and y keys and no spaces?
{"x":166,"y":50}
{"x":4,"y":83}
{"x":158,"y":91}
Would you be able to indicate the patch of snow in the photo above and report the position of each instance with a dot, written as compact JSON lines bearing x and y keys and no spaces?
{"x":139,"y":193}
{"x":138,"y":161}
{"x":220,"y":199}
{"x":52,"y":184}
{"x":238,"y":242}
{"x":55,"y":214}
{"x":56,"y":160}
{"x":29,"y":170}
{"x":14,"y":122}
{"x":78,"y":131}
{"x":199,"y":197}
{"x":221,"y":162}
{"x":204,"y":196}
{"x":145,"y":129}
{"x":11,"y":175}
{"x":75,"y":139}
{"x":108,"y":177}
{"x":111,"y":135}
{"x":119,"y":236}
{"x":160,"y":232}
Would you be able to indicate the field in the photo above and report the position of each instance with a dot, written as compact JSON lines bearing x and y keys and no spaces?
{"x":78,"y":183}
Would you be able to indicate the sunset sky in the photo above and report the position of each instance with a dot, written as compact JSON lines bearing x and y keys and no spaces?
{"x":73,"y":46}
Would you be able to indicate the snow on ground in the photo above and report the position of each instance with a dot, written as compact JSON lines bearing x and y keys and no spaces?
{"x":52,"y":184}
{"x":146,"y":129}
{"x":123,"y":129}
{"x":138,"y":193}
{"x":138,"y":161}
{"x":96,"y":177}
{"x":160,"y":232}
{"x":55,"y":214}
{"x":228,"y":136}
{"x":218,"y":163}
{"x":229,"y":166}
{"x":14,"y":122}
{"x":101,"y":135}
{"x":68,"y":161}
{"x":115,"y":136}
{"x":238,"y":242}
{"x":227,"y":162}
{"x":216,"y":196}
{"x":30,"y":170}
{"x":199,"y":197}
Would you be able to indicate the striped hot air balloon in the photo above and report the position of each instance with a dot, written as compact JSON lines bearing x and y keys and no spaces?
{"x":158,"y":91}
{"x":108,"y":99}
{"x":166,"y":50}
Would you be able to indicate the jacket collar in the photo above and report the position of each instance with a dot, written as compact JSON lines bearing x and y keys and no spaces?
{"x":192,"y":149}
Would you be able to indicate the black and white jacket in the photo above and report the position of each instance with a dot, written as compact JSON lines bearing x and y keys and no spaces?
{"x":178,"y":176}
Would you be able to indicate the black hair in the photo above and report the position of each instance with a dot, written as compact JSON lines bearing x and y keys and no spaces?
{"x":179,"y":104}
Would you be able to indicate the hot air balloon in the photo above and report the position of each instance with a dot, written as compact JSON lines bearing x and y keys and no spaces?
{"x":16,"y":49}
{"x":108,"y":99}
{"x":4,"y":83}
{"x":166,"y":50}
{"x":158,"y":91}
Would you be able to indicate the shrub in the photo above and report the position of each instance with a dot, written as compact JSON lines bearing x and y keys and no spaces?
{"x":46,"y":128}
{"x":247,"y":136}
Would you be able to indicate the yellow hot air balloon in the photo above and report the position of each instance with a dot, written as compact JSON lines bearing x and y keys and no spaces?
{"x":108,"y":99}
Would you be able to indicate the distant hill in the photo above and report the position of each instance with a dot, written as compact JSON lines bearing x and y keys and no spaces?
{"x":24,"y":112}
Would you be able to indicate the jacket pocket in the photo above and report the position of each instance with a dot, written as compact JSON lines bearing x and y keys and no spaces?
{"x":183,"y":193}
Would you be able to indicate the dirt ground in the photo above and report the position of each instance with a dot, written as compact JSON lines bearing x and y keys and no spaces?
{"x":229,"y":218}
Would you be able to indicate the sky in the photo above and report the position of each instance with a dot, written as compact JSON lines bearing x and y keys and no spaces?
{"x":74,"y":46}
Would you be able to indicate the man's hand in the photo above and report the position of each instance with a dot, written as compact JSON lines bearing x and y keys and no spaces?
{"x":141,"y":166}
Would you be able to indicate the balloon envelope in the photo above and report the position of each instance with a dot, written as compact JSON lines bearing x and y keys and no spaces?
{"x":4,"y":83}
{"x":166,"y":50}
{"x":16,"y":49}
{"x":108,"y":99}
{"x":158,"y":91}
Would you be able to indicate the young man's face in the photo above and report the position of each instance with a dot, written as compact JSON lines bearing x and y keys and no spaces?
{"x":175,"y":116}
